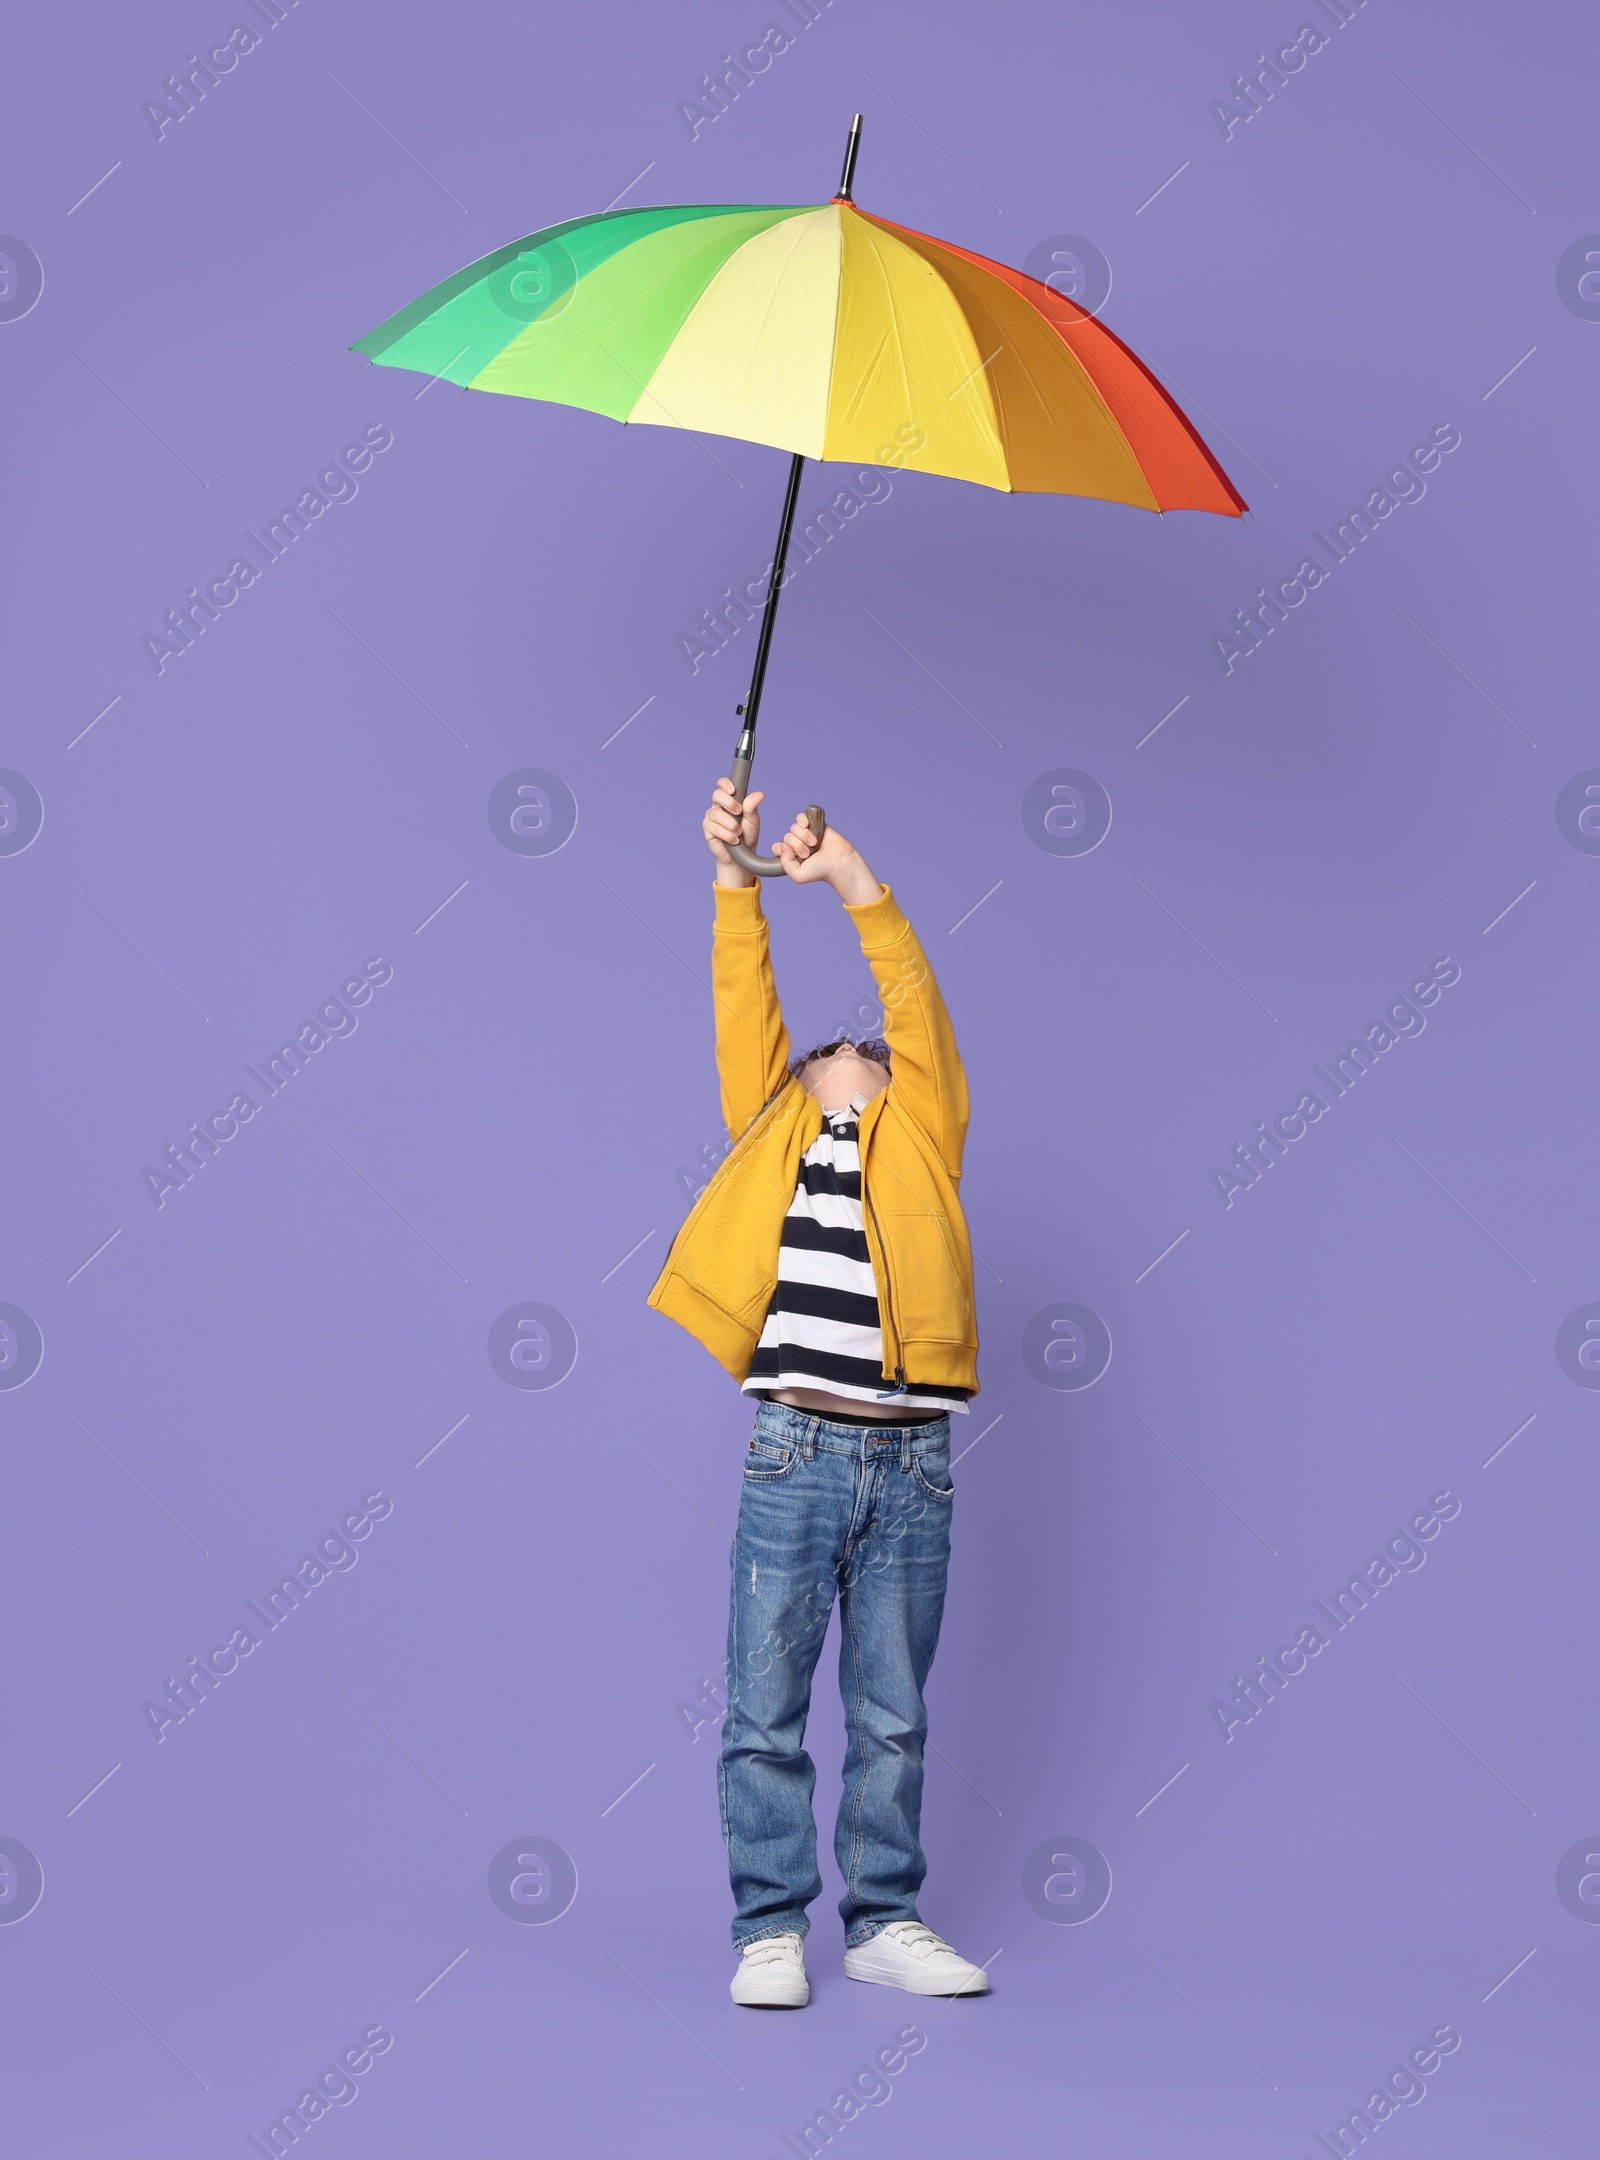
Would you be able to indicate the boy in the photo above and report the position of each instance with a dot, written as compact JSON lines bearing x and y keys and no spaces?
{"x":826,"y":1266}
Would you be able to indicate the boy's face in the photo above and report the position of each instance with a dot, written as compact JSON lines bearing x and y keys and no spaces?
{"x":835,"y":1081}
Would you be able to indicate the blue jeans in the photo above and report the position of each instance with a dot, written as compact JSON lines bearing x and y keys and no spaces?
{"x":863,"y":1511}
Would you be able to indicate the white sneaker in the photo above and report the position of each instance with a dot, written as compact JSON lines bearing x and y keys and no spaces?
{"x":772,"y":1974}
{"x":908,"y":1955}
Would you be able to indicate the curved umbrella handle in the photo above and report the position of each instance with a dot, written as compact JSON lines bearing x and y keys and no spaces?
{"x":747,"y":858}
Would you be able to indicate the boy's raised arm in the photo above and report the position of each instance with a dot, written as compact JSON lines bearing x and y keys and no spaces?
{"x":928,"y":1074}
{"x":752,"y":1040}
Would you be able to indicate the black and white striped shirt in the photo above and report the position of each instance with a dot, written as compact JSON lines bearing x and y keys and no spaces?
{"x":822,"y":1328}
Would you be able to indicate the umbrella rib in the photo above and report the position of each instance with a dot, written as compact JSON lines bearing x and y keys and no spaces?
{"x":996,"y":429}
{"x":1096,"y":335}
{"x":896,"y":340}
{"x":896,"y":328}
{"x":1111,"y":419}
{"x":652,"y":283}
{"x":766,"y":317}
{"x":1047,"y":404}
{"x":996,"y":423}
{"x":1196,"y":439}
{"x":692,"y":433}
{"x":793,"y":226}
{"x":978,"y":370}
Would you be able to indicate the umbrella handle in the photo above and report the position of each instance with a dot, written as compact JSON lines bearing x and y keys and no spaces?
{"x":747,"y":858}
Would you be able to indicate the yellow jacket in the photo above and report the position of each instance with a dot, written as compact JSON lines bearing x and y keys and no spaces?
{"x":718,"y":1278}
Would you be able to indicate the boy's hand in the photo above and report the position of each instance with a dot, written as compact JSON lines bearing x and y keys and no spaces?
{"x":723,"y":824}
{"x":830,"y":861}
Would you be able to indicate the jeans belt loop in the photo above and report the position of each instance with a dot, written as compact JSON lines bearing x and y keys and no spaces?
{"x":905,"y":1449}
{"x":809,"y":1444}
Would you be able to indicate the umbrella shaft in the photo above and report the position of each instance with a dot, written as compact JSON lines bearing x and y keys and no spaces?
{"x":769,"y":611}
{"x":850,"y":149}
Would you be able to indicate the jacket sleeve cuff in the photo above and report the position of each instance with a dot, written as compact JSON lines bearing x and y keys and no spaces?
{"x":738,"y":907}
{"x":879,"y":922}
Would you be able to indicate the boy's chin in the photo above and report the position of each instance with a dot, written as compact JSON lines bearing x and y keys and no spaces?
{"x":842,"y":1097}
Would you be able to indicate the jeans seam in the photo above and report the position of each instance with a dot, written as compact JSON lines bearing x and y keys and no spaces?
{"x":733,"y":1681}
{"x":857,"y":1798}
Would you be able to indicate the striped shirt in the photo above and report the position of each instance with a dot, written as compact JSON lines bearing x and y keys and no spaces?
{"x":822,"y":1327}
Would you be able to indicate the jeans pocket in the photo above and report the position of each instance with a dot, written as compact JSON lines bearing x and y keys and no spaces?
{"x":766,"y":1460}
{"x":932,"y":1472}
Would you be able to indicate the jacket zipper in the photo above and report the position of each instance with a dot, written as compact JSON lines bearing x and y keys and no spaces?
{"x":888,"y":1276}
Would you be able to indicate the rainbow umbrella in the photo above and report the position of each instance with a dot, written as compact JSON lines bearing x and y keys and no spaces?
{"x":825,"y":332}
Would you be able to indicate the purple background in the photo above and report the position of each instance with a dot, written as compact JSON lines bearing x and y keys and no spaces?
{"x":1366,"y":259}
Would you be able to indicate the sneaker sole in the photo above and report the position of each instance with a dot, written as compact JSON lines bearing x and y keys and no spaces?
{"x":916,"y":1983}
{"x":771,"y":2002}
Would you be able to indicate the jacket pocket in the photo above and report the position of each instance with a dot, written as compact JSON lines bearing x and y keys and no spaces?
{"x":932,"y":1290}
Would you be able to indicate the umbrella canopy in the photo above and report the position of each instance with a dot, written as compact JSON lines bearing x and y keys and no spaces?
{"x":826,"y":333}
{"x":822,"y":331}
